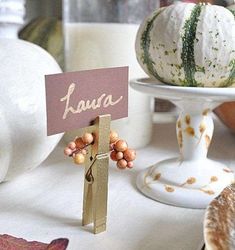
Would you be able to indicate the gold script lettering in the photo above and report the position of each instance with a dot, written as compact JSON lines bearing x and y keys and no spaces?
{"x":102,"y":101}
{"x":108,"y":101}
{"x":67,"y":98}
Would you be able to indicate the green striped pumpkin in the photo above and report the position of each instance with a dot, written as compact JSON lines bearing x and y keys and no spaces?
{"x":47,"y":33}
{"x":189,"y":44}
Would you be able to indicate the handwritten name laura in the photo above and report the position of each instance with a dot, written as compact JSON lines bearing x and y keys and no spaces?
{"x":84,"y":105}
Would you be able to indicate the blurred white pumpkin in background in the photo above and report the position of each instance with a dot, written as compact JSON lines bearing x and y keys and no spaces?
{"x":24,"y":143}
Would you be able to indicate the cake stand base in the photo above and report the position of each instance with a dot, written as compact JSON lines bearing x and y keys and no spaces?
{"x":183,"y":184}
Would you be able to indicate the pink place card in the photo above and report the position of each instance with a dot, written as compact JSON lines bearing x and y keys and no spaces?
{"x":75,"y":99}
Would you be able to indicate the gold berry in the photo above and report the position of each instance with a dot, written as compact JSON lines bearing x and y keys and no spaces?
{"x":113,"y":136}
{"x":113,"y":156}
{"x":79,"y":143}
{"x":119,"y":155}
{"x":68,"y":151}
{"x":129,"y":154}
{"x":130,"y":164}
{"x":79,"y":158}
{"x":122,"y":164}
{"x":87,"y":138}
{"x":121,"y":146}
{"x":83,"y":151}
{"x":72,"y":145}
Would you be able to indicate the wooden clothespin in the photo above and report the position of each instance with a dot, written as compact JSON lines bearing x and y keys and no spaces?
{"x":96,"y":175}
{"x":74,"y":99}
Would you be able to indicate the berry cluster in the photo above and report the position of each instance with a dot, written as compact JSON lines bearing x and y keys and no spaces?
{"x":120,"y":152}
{"x":77,"y":148}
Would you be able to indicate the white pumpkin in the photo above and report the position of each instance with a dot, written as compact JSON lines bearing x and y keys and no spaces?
{"x":23,"y":139}
{"x":189,"y":44}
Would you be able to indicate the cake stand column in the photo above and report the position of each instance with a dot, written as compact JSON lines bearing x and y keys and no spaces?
{"x":194,"y":129}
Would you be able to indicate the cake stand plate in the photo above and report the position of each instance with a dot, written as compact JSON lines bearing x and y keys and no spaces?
{"x":191,"y":180}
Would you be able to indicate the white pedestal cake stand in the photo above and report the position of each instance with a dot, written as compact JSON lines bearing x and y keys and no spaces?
{"x":191,"y":180}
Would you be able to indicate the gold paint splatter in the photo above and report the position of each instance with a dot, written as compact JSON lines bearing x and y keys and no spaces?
{"x":147,"y":174}
{"x":191,"y":180}
{"x":179,"y":123}
{"x":180,"y":138}
{"x":214,"y":178}
{"x":202,"y":127}
{"x":187,"y":119}
{"x":190,"y":131}
{"x":208,"y":141}
{"x":210,"y":192}
{"x":157,"y":176}
{"x":205,"y":112}
{"x":169,"y":189}
{"x":146,"y":184}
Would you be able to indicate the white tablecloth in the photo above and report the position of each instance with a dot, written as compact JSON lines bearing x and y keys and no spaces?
{"x":46,"y":203}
